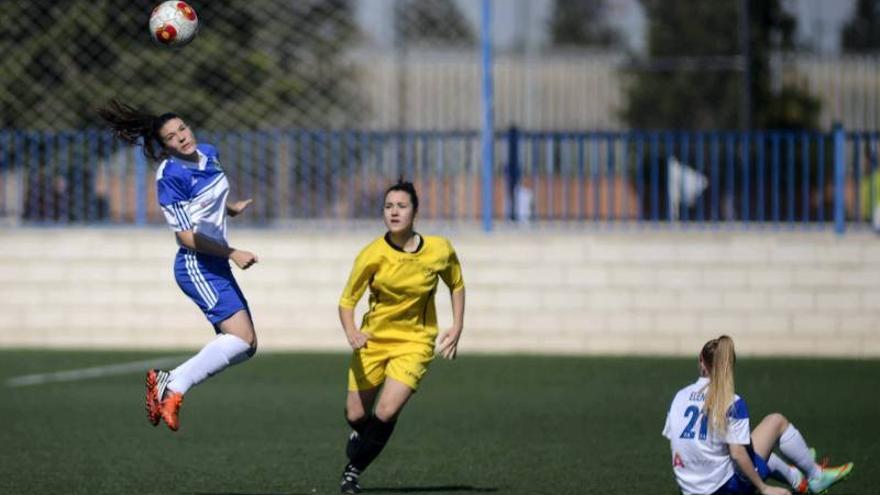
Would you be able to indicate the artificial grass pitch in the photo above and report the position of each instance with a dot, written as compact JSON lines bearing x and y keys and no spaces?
{"x":480,"y":424}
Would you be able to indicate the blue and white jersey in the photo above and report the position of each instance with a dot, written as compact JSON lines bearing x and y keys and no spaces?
{"x":700,"y":458}
{"x":193,"y":195}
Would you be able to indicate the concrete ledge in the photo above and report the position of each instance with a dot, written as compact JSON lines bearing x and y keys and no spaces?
{"x":570,"y":291}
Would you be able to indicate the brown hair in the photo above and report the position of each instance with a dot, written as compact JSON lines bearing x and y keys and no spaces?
{"x":135,"y":126}
{"x":407,"y":187}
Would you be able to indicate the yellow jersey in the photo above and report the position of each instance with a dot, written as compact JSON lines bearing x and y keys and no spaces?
{"x":402,"y":287}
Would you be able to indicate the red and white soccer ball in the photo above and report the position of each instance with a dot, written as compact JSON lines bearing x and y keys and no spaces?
{"x":173,"y":23}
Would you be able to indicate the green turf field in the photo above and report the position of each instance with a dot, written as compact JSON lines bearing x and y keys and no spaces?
{"x":506,"y":424}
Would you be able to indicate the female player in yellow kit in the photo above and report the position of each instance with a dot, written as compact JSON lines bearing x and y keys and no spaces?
{"x":395,"y":343}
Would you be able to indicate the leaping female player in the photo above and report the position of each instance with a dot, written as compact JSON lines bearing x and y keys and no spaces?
{"x":193,"y":191}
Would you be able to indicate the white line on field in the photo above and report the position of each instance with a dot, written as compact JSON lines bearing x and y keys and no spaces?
{"x":95,"y":372}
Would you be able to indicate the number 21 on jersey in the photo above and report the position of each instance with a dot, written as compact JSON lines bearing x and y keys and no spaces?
{"x":693,"y":413}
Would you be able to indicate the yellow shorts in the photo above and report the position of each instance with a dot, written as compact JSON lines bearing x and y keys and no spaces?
{"x":404,"y":362}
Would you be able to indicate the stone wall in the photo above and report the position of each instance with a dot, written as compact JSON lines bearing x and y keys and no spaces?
{"x":538,"y":291}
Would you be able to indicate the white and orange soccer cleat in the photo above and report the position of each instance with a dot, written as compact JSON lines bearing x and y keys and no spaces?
{"x":152,"y":403}
{"x":170,"y":409}
{"x":155,"y":382}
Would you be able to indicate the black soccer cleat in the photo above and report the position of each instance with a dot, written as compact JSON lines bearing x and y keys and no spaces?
{"x":349,"y":482}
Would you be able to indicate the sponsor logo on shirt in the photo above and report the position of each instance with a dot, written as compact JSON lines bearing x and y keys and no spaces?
{"x":677,"y":462}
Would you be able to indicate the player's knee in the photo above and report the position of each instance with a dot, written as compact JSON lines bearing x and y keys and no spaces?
{"x":386,"y":413}
{"x":779,"y":420}
{"x":249,"y":338}
{"x":355,"y":414}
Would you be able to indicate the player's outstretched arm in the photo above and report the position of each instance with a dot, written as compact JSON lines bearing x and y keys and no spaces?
{"x":233,"y":208}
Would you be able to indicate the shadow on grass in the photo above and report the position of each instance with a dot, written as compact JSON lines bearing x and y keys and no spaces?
{"x":397,"y":489}
{"x":253,"y":493}
{"x":431,"y":489}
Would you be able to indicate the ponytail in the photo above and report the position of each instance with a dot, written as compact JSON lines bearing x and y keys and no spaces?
{"x":136,"y":127}
{"x":719,"y":358}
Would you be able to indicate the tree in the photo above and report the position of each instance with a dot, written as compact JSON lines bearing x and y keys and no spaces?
{"x":582,"y":22}
{"x":693,"y":76}
{"x":253,"y":64}
{"x":862,"y":32}
{"x":431,"y":22}
{"x":693,"y":79}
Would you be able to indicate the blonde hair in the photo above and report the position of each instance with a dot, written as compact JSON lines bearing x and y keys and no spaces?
{"x":719,"y":357}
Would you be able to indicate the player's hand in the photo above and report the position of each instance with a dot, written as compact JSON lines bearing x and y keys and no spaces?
{"x":357,"y":339}
{"x":447,"y":343}
{"x":235,"y":207}
{"x":244,"y":259}
{"x":774,"y":490}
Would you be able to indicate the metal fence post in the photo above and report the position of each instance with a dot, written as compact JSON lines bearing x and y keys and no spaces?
{"x":513,"y":172}
{"x":488,"y":117}
{"x":839,"y":178}
{"x":140,"y":186}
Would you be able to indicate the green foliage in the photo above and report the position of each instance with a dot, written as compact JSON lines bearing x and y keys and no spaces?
{"x":582,"y":23}
{"x":431,"y":22}
{"x":693,"y":77}
{"x":791,"y":109}
{"x":260,"y":63}
{"x":862,"y":32}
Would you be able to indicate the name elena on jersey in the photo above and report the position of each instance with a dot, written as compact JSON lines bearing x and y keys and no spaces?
{"x":697,"y":397}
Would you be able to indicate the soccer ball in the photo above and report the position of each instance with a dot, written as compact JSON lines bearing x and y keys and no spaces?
{"x":173,"y":23}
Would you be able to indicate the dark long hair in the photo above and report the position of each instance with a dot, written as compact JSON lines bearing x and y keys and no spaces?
{"x":407,"y":187}
{"x":135,"y":126}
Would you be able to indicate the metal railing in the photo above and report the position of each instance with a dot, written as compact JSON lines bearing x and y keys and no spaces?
{"x":761,"y":179}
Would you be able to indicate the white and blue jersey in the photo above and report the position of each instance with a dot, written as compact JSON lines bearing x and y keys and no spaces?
{"x":701,"y":458}
{"x":192,"y":196}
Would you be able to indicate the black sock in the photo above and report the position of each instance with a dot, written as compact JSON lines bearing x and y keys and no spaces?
{"x":358,"y":425}
{"x":354,"y":440}
{"x":373,"y":440}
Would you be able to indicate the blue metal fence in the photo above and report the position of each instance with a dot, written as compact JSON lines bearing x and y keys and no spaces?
{"x":761,"y":179}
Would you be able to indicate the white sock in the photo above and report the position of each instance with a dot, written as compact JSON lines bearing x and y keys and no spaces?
{"x":793,"y":445}
{"x":220,"y":353}
{"x":784,"y":471}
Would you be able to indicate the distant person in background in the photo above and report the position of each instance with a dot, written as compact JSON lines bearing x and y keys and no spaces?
{"x":395,"y":343}
{"x":193,"y":192}
{"x":713,"y":451}
{"x":870,"y":187}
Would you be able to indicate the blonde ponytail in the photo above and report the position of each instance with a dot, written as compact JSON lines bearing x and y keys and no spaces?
{"x":719,"y":357}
